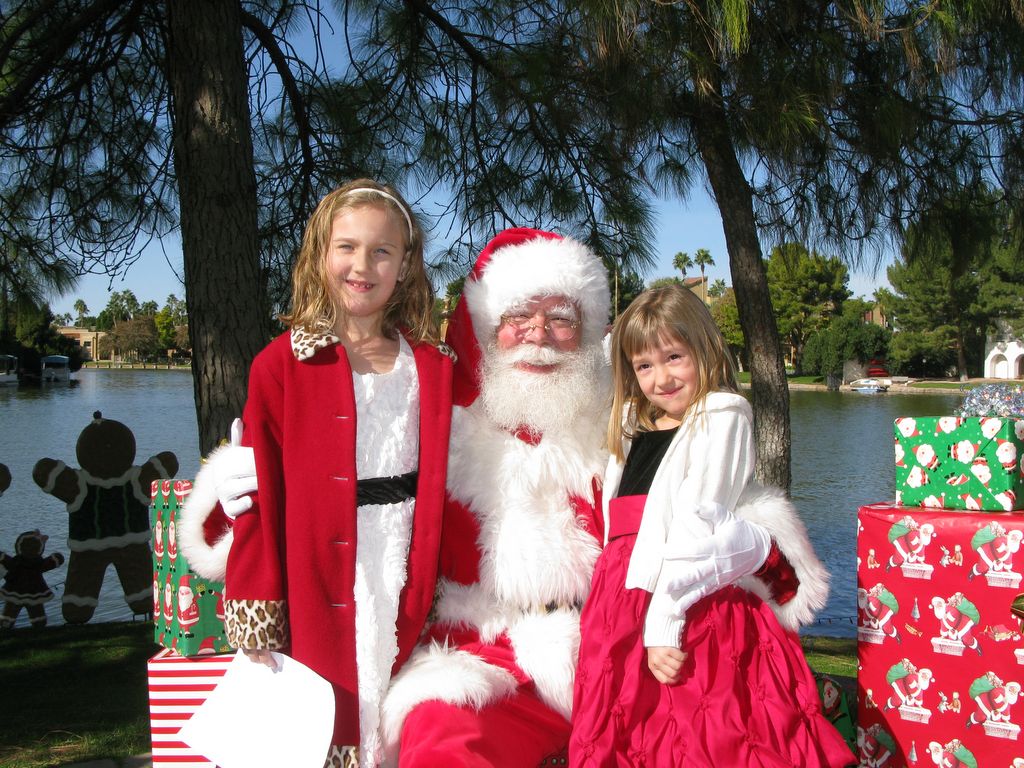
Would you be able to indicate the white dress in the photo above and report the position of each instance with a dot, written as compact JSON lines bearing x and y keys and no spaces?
{"x":387,"y":444}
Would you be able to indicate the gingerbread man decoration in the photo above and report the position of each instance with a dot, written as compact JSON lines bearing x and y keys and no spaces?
{"x":108,"y":515}
{"x":24,"y":586}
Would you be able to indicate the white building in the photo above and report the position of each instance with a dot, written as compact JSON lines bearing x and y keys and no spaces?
{"x":1004,"y":359}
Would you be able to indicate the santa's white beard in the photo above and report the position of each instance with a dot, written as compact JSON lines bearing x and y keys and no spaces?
{"x":542,"y":402}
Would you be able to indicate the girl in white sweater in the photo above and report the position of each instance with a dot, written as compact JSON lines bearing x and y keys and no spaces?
{"x":682,"y":660}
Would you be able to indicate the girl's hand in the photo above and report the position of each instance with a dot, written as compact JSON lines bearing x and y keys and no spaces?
{"x":666,"y":663}
{"x":260,"y":656}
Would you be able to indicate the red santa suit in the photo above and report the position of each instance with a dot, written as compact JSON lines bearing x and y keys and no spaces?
{"x":493,"y":682}
{"x":291,"y":578}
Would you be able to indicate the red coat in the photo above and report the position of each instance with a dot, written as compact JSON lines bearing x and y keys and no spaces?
{"x":297,"y":550}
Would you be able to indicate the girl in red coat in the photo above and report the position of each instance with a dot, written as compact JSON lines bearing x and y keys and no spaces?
{"x":684,"y":662}
{"x":348,"y":416}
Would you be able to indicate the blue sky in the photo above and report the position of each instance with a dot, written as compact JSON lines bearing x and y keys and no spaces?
{"x":681,"y":227}
{"x":156,"y":275}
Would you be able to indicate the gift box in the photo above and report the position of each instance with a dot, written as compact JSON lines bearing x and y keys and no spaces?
{"x":178,"y":686}
{"x":188,"y":610}
{"x":974,"y":463}
{"x":939,"y":641}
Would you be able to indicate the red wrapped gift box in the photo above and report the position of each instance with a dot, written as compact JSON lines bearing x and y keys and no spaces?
{"x":177,"y":688}
{"x":941,"y":655}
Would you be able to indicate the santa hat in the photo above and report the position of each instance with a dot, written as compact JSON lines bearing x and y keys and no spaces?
{"x":515,"y":266}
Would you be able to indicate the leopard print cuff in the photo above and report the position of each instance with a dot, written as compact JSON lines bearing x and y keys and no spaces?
{"x":342,"y":757}
{"x":256,"y":624}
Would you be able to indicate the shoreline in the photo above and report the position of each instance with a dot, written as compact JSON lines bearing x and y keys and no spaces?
{"x":952,"y":388}
{"x":931,"y":386}
{"x":106,"y":365}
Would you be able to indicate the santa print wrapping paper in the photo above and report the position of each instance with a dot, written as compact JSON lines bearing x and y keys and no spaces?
{"x":951,"y":462}
{"x":188,"y":610}
{"x":941,"y":656}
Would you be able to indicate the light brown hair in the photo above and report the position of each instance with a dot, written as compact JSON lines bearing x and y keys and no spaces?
{"x":409,"y":307}
{"x":671,"y":312}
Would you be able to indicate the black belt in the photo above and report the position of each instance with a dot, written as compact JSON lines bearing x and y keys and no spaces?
{"x":386,"y":490}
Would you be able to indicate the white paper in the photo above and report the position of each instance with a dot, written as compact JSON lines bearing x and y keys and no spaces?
{"x":258,"y":717}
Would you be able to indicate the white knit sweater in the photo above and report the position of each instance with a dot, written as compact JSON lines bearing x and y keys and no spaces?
{"x":709,"y":462}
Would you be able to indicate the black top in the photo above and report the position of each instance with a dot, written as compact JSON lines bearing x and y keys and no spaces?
{"x":648,"y":450}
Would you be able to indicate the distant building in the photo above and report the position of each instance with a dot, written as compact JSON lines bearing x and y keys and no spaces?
{"x":86,"y":338}
{"x":877,"y":316}
{"x":699,"y":285}
{"x":1004,"y":359}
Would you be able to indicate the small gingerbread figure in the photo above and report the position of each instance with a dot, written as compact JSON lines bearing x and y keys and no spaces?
{"x":108,"y":515}
{"x":24,"y":586}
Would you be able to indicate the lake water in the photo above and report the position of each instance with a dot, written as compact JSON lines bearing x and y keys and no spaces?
{"x":842,"y":458}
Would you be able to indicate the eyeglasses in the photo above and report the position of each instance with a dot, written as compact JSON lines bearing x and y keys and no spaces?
{"x":558,"y":328}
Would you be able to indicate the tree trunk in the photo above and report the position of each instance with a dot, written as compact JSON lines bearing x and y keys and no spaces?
{"x":769,"y":390}
{"x":213,"y":159}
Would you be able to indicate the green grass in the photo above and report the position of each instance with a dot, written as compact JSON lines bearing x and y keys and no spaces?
{"x":744,"y":378}
{"x":954,"y":385}
{"x":831,"y":655}
{"x":79,"y":693}
{"x":74,"y":693}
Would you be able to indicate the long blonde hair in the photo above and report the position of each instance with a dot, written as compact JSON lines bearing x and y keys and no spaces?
{"x":671,"y":312}
{"x":410,"y":305}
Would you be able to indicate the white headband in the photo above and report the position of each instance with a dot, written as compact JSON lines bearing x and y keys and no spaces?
{"x":392,"y":198}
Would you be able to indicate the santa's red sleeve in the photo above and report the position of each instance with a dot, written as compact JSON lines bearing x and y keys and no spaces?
{"x":792,"y":580}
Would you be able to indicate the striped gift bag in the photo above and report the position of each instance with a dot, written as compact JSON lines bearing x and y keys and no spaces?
{"x":178,"y":685}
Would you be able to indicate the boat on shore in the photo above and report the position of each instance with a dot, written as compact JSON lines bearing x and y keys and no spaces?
{"x":55,"y":369}
{"x":8,"y":369}
{"x":868,"y":386}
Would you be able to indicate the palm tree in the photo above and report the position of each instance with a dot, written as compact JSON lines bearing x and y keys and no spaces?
{"x":682,"y":262}
{"x":81,"y":309}
{"x":717,"y":288}
{"x":702,"y":258}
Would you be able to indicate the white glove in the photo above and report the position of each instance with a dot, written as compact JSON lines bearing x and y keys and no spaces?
{"x":235,"y":474}
{"x":699,"y":566}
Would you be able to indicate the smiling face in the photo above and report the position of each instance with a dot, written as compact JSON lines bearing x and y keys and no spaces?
{"x":668,"y":376}
{"x":525,"y":325}
{"x":364,"y":261}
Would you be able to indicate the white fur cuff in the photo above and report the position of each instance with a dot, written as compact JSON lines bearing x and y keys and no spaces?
{"x":769,"y":507}
{"x":438,"y":673}
{"x":207,"y":561}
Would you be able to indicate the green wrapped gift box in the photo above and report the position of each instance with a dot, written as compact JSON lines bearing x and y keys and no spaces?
{"x":950,"y":462}
{"x":188,"y":610}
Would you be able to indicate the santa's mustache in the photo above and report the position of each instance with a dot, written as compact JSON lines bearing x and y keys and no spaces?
{"x":531,"y":354}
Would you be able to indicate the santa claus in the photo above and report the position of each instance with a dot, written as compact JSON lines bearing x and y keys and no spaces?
{"x":522,"y":531}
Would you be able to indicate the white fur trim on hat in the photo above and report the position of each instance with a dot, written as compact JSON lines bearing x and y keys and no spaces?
{"x":540,"y":267}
